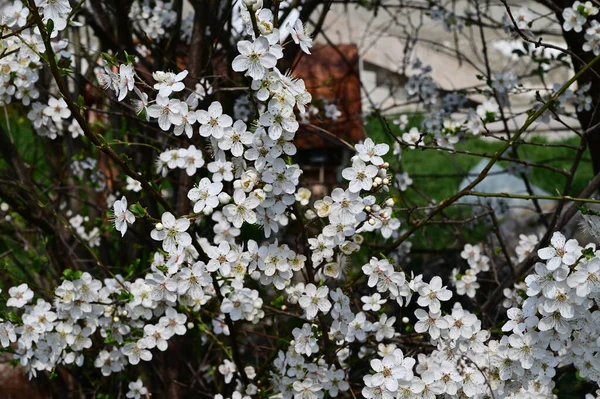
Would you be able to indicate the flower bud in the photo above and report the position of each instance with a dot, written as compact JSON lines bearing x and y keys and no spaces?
{"x":259,"y":193}
{"x":390,"y":202}
{"x":248,"y":180}
{"x":265,"y":27}
{"x":368,"y":208}
{"x":405,"y":320}
{"x":385,"y":165}
{"x":224,"y":198}
{"x":386,"y":181}
{"x":237,"y":184}
{"x":255,"y":275}
{"x":268,"y":188}
{"x":116,"y":319}
{"x":378,"y":180}
{"x":4,"y":207}
{"x":159,"y":226}
{"x":372,"y":222}
{"x":254,"y":4}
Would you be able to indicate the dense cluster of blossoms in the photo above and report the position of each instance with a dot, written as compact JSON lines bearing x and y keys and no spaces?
{"x":576,"y":15}
{"x":553,"y":327}
{"x":126,"y":321}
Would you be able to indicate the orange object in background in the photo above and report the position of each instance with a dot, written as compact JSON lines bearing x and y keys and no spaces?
{"x":331,"y":74}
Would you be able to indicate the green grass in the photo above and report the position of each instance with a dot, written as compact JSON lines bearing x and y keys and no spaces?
{"x":438,"y":175}
{"x":31,"y":147}
{"x":424,"y":165}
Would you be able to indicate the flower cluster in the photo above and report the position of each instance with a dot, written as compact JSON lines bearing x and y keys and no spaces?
{"x":466,"y":283}
{"x":576,"y":15}
{"x":154,"y":20}
{"x":191,"y":159}
{"x":243,"y":177}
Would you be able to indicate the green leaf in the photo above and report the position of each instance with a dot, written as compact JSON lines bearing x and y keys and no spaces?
{"x":71,"y":275}
{"x":163,"y":268}
{"x":125,"y":296}
{"x":50,"y":26}
{"x":12,"y":317}
{"x":81,"y":102}
{"x":589,"y":253}
{"x":108,"y":58}
{"x":130,"y":59}
{"x":65,"y":71}
{"x":67,"y":274}
{"x":278,"y":302}
{"x":137,"y":209}
{"x":586,"y":211}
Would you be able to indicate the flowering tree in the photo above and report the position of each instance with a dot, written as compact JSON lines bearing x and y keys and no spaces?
{"x":223,"y":278}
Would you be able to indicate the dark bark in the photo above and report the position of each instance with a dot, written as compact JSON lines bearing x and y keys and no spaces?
{"x":589,"y":120}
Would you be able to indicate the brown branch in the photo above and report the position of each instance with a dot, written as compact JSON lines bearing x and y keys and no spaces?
{"x":96,"y":139}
